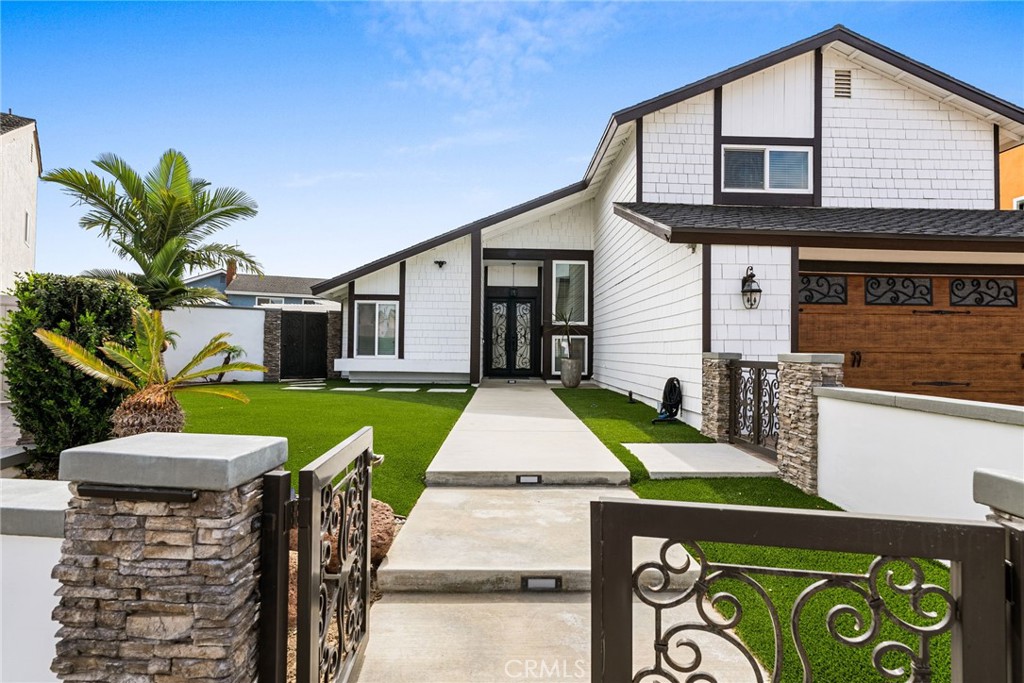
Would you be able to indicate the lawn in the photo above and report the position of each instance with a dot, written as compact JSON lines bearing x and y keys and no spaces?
{"x":408,"y":428}
{"x":615,"y":421}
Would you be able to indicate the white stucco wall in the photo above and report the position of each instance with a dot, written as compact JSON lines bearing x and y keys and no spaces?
{"x":570,"y":228}
{"x":27,"y":633}
{"x":678,"y":149}
{"x":906,"y":461}
{"x":647,"y":297}
{"x":889,"y":146}
{"x":19,"y":178}
{"x":762,"y":333}
{"x":195,"y":327}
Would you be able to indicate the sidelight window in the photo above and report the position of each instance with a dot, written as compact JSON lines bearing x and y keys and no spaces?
{"x":377,"y":329}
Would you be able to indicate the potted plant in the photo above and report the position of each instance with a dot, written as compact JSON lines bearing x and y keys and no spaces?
{"x":572,"y":367}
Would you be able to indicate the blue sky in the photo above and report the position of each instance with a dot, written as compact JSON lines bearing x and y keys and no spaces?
{"x":361,"y":128}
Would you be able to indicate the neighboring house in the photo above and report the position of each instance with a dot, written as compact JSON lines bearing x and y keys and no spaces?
{"x":1011,"y":178}
{"x":20,"y":168}
{"x":247,"y":291}
{"x":859,"y":185}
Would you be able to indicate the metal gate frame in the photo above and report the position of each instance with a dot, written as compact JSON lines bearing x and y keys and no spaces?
{"x":976,"y":613}
{"x":332,"y":515}
{"x":754,"y":405}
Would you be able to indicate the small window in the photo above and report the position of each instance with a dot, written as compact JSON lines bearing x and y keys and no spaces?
{"x":269,"y":301}
{"x":311,"y":302}
{"x":766,"y":169}
{"x":377,"y":329}
{"x":570,"y":290}
{"x":27,"y":241}
{"x":1018,"y":203}
{"x":577,"y":349}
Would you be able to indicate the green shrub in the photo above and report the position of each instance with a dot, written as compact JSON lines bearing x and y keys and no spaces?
{"x":57,"y":404}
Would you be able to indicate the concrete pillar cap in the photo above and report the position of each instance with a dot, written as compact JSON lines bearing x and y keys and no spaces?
{"x":819,"y":358}
{"x":721,"y":355}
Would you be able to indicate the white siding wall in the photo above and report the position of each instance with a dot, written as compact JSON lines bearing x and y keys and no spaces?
{"x":570,"y":228}
{"x":678,"y":146}
{"x":383,"y":281}
{"x":647,"y":295}
{"x":889,"y":146}
{"x":437,"y":304}
{"x":774,"y":102}
{"x":762,"y":333}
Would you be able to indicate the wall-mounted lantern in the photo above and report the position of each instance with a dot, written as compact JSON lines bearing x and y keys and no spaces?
{"x":750,"y":290}
{"x":440,"y":264}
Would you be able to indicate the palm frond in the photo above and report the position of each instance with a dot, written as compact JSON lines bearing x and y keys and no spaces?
{"x":214,"y":347}
{"x":216,"y":255}
{"x":124,"y":174}
{"x":216,"y":391}
{"x":111,"y":213}
{"x":216,"y":370}
{"x":78,"y":357}
{"x":172,"y":173}
{"x":129,"y":359}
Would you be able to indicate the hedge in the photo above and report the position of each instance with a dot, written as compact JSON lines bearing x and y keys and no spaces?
{"x":59,"y":405}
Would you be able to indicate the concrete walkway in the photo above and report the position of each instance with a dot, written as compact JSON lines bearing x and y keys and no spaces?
{"x":455,"y":606}
{"x":522,"y":429}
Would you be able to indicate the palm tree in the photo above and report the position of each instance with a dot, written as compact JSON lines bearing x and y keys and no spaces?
{"x":161,"y":222}
{"x":152,"y":406}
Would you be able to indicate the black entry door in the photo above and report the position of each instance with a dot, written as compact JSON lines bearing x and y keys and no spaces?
{"x":511,"y":342}
{"x":303,"y":344}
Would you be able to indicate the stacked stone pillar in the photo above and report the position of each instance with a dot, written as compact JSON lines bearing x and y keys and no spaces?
{"x":272,"y":345}
{"x":797,"y":448}
{"x":716,"y":398}
{"x":334,"y":319}
{"x":159,"y":569}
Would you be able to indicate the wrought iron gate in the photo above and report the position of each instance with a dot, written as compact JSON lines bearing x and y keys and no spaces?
{"x":696,"y":605}
{"x":754,"y":404}
{"x":332,"y":516}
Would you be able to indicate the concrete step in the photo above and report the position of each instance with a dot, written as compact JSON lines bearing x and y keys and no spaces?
{"x":461,"y":539}
{"x":497,"y":638}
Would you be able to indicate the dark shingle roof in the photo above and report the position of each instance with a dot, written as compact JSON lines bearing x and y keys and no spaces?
{"x":273,"y":284}
{"x":9,"y":122}
{"x":967,"y":229}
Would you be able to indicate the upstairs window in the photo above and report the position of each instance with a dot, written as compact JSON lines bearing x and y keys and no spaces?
{"x":766,"y":169}
{"x":269,"y":301}
{"x":377,"y":329}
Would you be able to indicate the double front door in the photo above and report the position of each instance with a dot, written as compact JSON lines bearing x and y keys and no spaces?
{"x":511,"y":336}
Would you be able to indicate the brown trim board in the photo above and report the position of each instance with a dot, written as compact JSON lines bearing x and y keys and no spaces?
{"x":475,"y":304}
{"x":819,"y":75}
{"x":351,"y":320}
{"x":377,"y":297}
{"x":401,"y":310}
{"x":639,"y":159}
{"x":794,"y":299}
{"x":705,"y":295}
{"x":716,"y":148}
{"x":895,"y":268}
{"x":995,"y":164}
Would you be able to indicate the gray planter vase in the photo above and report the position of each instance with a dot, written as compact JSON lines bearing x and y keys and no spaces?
{"x":572,"y":372}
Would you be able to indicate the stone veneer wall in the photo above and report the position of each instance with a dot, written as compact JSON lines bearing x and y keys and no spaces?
{"x":334,"y":319}
{"x":797,"y":448}
{"x":155,"y":591}
{"x":715,"y":395}
{"x":272,"y":345}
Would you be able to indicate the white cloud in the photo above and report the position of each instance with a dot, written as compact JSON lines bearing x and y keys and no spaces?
{"x":484,"y":52}
{"x":313,"y":179}
{"x":475,"y":138}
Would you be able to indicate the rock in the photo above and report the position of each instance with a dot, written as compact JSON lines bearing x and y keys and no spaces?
{"x":382,"y":530}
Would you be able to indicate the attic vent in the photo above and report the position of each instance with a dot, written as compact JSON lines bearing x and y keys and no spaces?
{"x":844,"y":83}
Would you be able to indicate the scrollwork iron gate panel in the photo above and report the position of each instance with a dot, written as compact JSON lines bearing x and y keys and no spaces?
{"x":700,"y":607}
{"x":754,"y":404}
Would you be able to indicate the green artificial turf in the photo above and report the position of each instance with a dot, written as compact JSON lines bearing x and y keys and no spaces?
{"x":408,"y":428}
{"x":615,"y":421}
{"x":830,"y":661}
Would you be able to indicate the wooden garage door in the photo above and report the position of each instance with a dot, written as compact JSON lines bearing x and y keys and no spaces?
{"x":961,"y":336}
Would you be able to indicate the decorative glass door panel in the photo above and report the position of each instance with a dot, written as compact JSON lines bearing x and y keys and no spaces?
{"x":510,"y":337}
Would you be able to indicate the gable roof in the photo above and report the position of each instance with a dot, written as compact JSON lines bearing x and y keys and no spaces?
{"x":939,"y":229}
{"x":1001,"y":111}
{"x":272,"y":284}
{"x":11,"y":122}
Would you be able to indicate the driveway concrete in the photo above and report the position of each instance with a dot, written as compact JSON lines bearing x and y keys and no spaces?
{"x":518,"y":429}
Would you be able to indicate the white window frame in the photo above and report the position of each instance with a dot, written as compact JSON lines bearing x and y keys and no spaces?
{"x":767,"y":149}
{"x":586,"y":289}
{"x":1018,"y":203}
{"x":376,"y":332}
{"x":311,"y":302}
{"x":270,"y":301}
{"x":557,"y":343}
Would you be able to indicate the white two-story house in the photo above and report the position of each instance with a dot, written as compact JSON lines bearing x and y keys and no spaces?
{"x":858,"y":186}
